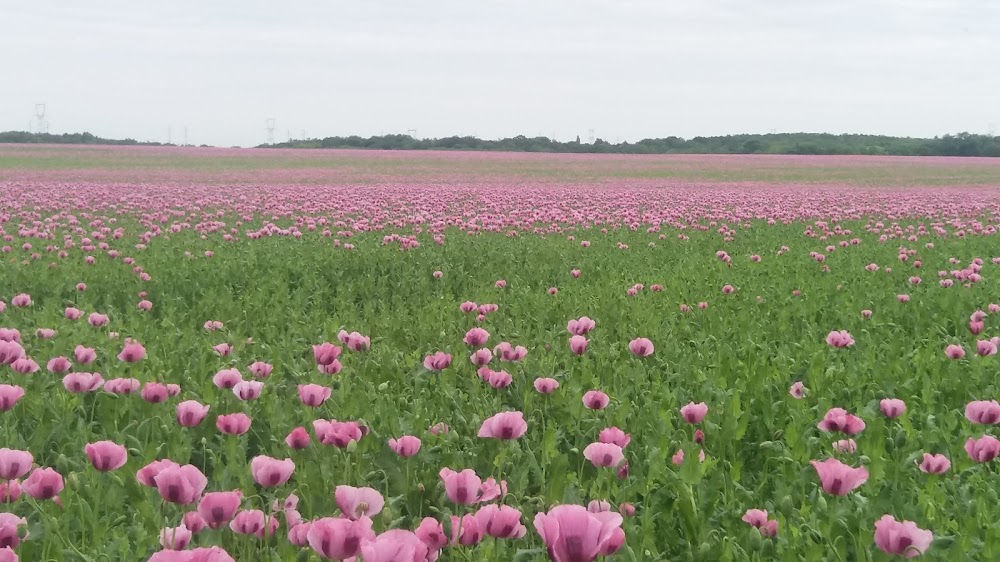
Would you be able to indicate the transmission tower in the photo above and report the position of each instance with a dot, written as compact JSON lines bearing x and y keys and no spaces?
{"x":270,"y":130}
{"x":38,"y":123}
{"x":590,"y":136}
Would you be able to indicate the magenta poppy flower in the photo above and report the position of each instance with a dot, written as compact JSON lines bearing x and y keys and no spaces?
{"x":481,"y":357}
{"x":954,"y":351}
{"x":248,"y":390}
{"x":395,"y":545}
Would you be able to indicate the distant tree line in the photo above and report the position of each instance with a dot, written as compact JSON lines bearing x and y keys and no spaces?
{"x":24,"y":137}
{"x":962,"y":144}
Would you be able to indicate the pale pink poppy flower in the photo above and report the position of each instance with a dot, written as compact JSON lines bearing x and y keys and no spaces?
{"x":248,"y":390}
{"x":580,"y":326}
{"x":837,"y":478}
{"x":505,"y":425}
{"x":596,"y":400}
{"x":934,"y":464}
{"x":79,"y":383}
{"x":546,"y":385}
{"x":437,"y":362}
{"x":694,"y":413}
{"x":481,"y":357}
{"x":97,"y":320}
{"x":866,"y":313}
{"x":797,"y":390}
{"x":954,"y":351}
{"x":260,"y":369}
{"x":406,"y":446}
{"x":476,"y":337}
{"x":132,"y":352}
{"x":901,"y":538}
{"x":846,"y":446}
{"x":615,"y":436}
{"x":578,"y":345}
{"x":986,"y":412}
{"x":462,"y":488}
{"x":838,"y":420}
{"x":84,"y":355}
{"x":571,"y":533}
{"x":438,"y":274}
{"x":500,"y":284}
{"x":509,"y":353}
{"x":468,"y":307}
{"x":222,"y":349}
{"x":356,"y":503}
{"x":892,"y":407}
{"x":758,"y":518}
{"x":678,"y":458}
{"x":727,"y":289}
{"x":840,"y":339}
{"x":45,"y":333}
{"x":233,"y":424}
{"x":641,"y":347}
{"x":575,"y":273}
{"x":702,"y":305}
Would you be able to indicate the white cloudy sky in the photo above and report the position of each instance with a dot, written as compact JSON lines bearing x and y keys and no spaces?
{"x":627,"y":69}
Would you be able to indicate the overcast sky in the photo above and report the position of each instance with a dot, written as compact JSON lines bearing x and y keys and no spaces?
{"x":627,"y":69}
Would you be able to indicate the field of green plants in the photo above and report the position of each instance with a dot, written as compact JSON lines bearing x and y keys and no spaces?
{"x":355,"y":362}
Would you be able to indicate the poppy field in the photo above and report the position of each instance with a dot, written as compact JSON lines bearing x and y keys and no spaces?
{"x":210,"y":355}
